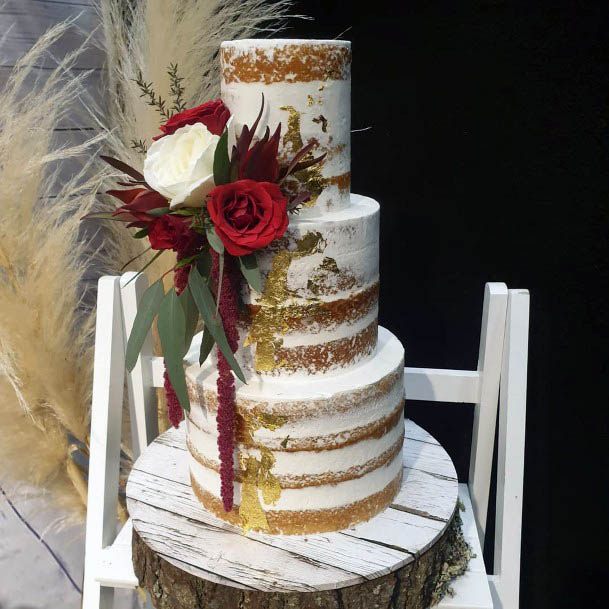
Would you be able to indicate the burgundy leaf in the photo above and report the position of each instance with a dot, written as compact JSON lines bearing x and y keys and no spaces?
{"x":288,"y":169}
{"x":245,"y":139}
{"x":126,"y":196}
{"x":301,"y":197}
{"x":133,"y":183}
{"x":306,"y":164}
{"x":126,"y":169}
{"x":260,"y":162}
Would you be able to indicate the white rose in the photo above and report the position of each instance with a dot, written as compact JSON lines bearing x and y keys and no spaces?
{"x":180,"y":165}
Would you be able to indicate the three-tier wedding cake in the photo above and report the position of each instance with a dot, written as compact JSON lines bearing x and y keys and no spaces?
{"x":320,"y":421}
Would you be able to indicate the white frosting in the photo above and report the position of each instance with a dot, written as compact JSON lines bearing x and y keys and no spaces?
{"x":388,"y":356}
{"x":330,"y":99}
{"x":302,"y":462}
{"x":322,"y":497}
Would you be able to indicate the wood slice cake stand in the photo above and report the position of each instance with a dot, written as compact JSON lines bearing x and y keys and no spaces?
{"x":186,"y":558}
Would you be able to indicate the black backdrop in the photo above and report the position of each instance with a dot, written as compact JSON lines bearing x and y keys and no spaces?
{"x":489,"y":155}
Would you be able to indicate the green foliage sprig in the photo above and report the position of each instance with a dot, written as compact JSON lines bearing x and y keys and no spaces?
{"x":139,"y":146}
{"x":176,"y":88}
{"x":154,"y":100}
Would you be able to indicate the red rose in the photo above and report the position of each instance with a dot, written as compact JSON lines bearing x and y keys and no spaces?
{"x":247,"y":215}
{"x":213,"y":114}
{"x":168,"y":232}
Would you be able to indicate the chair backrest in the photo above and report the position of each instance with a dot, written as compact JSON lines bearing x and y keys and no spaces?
{"x":510,"y":453}
{"x":498,"y":381}
{"x":140,"y":383}
{"x":479,"y":387}
{"x":501,"y":373}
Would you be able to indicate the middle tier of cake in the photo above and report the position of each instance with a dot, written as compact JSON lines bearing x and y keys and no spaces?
{"x":311,"y":455}
{"x":318,"y":311}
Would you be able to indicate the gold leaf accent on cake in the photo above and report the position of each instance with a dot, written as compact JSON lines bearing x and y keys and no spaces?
{"x":319,"y":282}
{"x":267,"y":482}
{"x":253,"y":420}
{"x":258,"y":477}
{"x":311,"y":178}
{"x":270,"y":321}
{"x":292,"y":136}
{"x":250,"y":510}
{"x":310,"y":100}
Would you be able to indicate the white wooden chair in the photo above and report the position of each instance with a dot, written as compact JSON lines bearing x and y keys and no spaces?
{"x":500,"y":378}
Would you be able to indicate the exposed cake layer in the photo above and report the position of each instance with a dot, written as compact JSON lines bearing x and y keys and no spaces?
{"x":308,"y":467}
{"x":307,"y":522}
{"x":318,"y":310}
{"x":313,"y":446}
{"x":318,"y":412}
{"x":307,"y":88}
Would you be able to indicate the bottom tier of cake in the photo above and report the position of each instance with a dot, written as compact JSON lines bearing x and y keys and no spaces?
{"x":312,"y":455}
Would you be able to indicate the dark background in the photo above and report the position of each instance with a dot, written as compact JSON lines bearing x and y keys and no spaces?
{"x":489,"y":154}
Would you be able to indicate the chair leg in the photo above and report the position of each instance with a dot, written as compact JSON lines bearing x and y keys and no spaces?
{"x":96,"y":596}
{"x":106,"y":413}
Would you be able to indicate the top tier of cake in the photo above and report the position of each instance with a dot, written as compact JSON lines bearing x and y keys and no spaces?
{"x":307,"y":88}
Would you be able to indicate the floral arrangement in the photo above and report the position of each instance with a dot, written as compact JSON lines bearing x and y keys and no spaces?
{"x":215,"y":210}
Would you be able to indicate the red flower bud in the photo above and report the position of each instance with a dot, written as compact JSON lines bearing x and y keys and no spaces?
{"x":213,"y":114}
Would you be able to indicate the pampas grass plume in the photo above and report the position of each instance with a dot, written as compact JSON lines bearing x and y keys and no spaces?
{"x":45,"y":328}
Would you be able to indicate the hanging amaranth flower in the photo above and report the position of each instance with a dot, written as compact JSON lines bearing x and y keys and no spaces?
{"x":174,"y":410}
{"x":225,"y":419}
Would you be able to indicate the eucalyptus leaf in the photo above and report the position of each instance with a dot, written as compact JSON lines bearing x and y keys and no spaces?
{"x":204,"y":264}
{"x":249,"y":267}
{"x":214,"y":240}
{"x":191,"y":315}
{"x":158,"y":211}
{"x":207,"y":344}
{"x":171,"y":325}
{"x":184,"y":262}
{"x":145,"y":266}
{"x":221,"y":160}
{"x":135,"y":257}
{"x":146,"y":312}
{"x":207,"y":307}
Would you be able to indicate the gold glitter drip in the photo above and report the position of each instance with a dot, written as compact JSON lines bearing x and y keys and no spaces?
{"x":267,"y":482}
{"x":292,"y":136}
{"x":310,"y":100}
{"x":321,"y":278}
{"x":258,"y":477}
{"x":270,"y":320}
{"x":311,"y":178}
{"x":250,"y":511}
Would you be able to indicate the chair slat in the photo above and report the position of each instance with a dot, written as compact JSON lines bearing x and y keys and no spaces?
{"x":142,"y":395}
{"x":105,"y":443}
{"x":510,"y":451}
{"x":436,"y":385}
{"x":485,"y":411}
{"x":158,"y":369}
{"x":115,"y":566}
